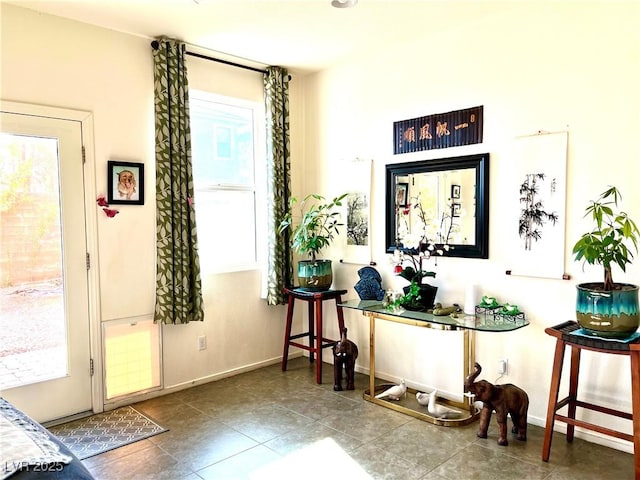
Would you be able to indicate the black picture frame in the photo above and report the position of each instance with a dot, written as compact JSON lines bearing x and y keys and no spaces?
{"x":125,"y":183}
{"x":402,"y":192}
{"x":455,"y":192}
{"x":455,"y":210}
{"x":479,"y":214}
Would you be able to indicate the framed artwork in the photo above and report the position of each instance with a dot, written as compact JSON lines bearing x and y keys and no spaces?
{"x":125,"y":183}
{"x":455,"y":192}
{"x":402,"y":190}
{"x":455,"y":210}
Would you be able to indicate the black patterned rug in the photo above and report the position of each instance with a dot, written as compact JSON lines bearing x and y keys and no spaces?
{"x":105,"y":431}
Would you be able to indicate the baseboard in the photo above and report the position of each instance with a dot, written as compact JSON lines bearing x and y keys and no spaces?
{"x":130,"y":399}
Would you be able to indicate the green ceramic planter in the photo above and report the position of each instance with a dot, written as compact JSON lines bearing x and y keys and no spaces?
{"x":608,"y":314}
{"x":315,"y":276}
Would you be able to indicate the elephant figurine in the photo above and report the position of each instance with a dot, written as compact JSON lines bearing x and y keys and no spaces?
{"x":504,"y":399}
{"x":345,"y":353}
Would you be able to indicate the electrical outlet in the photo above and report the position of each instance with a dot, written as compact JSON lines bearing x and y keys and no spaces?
{"x":502,"y":366}
{"x":202,"y":343}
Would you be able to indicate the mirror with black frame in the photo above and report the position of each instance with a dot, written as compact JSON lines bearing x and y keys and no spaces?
{"x":441,"y":205}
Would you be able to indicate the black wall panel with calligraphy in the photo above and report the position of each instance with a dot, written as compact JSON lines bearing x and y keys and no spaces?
{"x":442,"y":130}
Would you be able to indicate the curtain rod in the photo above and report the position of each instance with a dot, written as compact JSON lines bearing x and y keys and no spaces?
{"x":155,"y":46}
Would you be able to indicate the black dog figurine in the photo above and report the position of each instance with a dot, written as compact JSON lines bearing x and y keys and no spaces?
{"x":345,"y":353}
{"x":504,"y":399}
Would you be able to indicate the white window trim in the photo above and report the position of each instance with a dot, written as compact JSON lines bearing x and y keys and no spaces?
{"x":260,"y":179}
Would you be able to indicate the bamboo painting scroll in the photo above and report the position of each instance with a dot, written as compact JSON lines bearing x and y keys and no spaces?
{"x":535,"y":229}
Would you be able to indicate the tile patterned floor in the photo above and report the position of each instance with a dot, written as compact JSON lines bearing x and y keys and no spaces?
{"x":267,"y":424}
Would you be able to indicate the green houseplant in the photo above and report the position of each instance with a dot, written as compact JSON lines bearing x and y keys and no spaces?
{"x":417,"y":295}
{"x":315,"y":229}
{"x":607,"y":308}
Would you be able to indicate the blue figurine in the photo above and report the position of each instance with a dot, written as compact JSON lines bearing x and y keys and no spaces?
{"x":369,"y":287}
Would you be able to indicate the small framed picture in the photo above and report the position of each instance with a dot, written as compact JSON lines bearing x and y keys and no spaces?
{"x":402,"y":190}
{"x":125,"y":183}
{"x":455,"y":191}
{"x":455,"y":210}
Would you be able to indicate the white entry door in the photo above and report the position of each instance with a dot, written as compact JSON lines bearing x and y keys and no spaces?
{"x":45,"y":360}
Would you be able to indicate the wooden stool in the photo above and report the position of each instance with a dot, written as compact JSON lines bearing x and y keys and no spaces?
{"x":316,"y":341}
{"x":562,"y":333}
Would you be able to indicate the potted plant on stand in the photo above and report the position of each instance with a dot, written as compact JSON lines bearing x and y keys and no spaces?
{"x":607,"y":308}
{"x":318,"y":225}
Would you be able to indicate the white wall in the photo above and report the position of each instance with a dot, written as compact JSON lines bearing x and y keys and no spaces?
{"x":534,"y":67}
{"x":53,"y":61}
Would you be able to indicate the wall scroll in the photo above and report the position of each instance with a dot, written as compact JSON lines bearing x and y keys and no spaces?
{"x":534,"y":225}
{"x":442,"y":130}
{"x":357,"y":247}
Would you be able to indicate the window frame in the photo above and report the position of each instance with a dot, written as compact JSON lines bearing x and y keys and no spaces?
{"x":240,"y":262}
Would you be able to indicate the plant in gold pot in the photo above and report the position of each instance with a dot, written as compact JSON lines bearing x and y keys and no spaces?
{"x":314,"y":229}
{"x":607,"y":308}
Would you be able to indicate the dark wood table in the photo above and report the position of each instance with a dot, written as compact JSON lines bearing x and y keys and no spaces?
{"x":563,"y":335}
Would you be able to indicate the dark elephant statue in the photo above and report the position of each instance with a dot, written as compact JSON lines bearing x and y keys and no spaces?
{"x":504,"y":399}
{"x":345,"y":353}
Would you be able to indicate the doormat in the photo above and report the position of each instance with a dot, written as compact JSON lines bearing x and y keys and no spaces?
{"x":105,"y":431}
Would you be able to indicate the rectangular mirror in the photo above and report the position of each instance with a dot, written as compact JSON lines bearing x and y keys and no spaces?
{"x":441,"y":204}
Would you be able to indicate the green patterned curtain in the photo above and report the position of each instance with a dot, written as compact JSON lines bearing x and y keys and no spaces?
{"x":276,"y":93}
{"x":178,"y":285}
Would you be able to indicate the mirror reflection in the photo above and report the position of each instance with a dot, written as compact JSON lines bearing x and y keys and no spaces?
{"x":439,"y":205}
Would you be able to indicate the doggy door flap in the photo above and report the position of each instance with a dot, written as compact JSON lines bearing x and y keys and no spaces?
{"x":126,"y":183}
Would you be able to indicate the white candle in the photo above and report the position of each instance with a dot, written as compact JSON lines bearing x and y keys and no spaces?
{"x":471,"y":299}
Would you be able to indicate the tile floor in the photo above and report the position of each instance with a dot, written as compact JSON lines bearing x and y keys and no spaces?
{"x":267,"y":424}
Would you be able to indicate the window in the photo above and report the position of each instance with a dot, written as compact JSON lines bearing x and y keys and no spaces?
{"x":227,"y":136}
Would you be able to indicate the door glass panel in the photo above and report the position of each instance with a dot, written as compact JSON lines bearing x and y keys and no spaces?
{"x":33,"y":340}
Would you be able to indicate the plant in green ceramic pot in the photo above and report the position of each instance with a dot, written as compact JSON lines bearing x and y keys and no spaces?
{"x":607,"y":308}
{"x":312,"y":230}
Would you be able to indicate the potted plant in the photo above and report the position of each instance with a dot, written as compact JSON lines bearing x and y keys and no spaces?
{"x":417,"y":295}
{"x":317,"y":227}
{"x":607,"y":308}
{"x":417,"y":248}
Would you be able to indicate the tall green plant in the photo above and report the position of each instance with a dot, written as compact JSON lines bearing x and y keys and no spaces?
{"x":318,"y":223}
{"x":612,"y":238}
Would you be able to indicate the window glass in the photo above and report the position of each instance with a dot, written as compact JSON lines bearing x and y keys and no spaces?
{"x":226,"y":139}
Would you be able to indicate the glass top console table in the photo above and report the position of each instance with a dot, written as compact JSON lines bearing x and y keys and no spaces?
{"x":468,"y":324}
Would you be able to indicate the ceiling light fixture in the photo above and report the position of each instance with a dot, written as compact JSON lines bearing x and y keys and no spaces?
{"x":343,"y":3}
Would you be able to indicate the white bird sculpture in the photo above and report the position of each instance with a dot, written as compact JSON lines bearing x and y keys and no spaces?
{"x":395,"y":392}
{"x":436,"y":410}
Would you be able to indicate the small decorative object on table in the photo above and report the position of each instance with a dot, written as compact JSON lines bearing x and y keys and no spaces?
{"x":497,"y":312}
{"x":369,"y":287}
{"x":504,"y":399}
{"x":345,"y":353}
{"x":508,"y":312}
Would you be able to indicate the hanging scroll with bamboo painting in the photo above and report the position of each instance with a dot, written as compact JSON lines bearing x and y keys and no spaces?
{"x":532,"y":229}
{"x":442,"y":130}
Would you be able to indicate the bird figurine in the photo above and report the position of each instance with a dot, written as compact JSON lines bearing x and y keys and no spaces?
{"x":438,"y":411}
{"x":395,"y":392}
